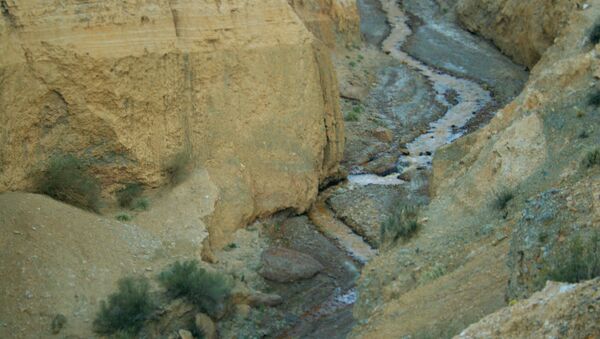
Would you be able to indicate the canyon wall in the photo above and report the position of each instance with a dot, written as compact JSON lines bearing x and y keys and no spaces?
{"x":330,"y":21}
{"x":129,"y":85}
{"x":521,"y":29}
{"x":454,"y":271}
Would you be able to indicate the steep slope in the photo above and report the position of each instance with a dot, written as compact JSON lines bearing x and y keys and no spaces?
{"x":569,"y":311}
{"x":521,"y":29}
{"x":56,"y":259}
{"x":534,"y":144}
{"x":131,"y":84}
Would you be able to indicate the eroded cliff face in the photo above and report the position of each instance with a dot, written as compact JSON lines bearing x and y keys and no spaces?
{"x":129,"y":85}
{"x":330,"y":21}
{"x":454,"y":271}
{"x":521,"y":29}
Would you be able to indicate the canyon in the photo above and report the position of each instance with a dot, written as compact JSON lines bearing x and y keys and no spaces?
{"x":305,"y":131}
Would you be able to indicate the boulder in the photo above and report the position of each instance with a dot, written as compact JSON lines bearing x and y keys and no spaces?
{"x":206,"y":326}
{"x":285,"y":265}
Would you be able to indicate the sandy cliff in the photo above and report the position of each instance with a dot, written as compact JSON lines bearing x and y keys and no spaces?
{"x":131,"y":84}
{"x":521,"y":29}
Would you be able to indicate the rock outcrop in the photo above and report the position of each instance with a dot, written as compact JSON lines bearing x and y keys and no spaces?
{"x":330,"y":21}
{"x":129,"y":85}
{"x":521,"y":29}
{"x":559,"y":311}
{"x":285,"y":265}
{"x":558,"y":236}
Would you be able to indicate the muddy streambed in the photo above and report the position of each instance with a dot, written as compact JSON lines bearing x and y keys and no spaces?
{"x":425,"y":100}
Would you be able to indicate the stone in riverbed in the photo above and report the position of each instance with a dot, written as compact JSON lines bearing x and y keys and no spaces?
{"x":285,"y":265}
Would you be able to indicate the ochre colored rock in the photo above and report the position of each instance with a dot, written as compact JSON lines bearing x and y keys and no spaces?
{"x":132,"y":84}
{"x":521,"y":29}
{"x":559,"y":311}
{"x":206,"y":326}
{"x":285,"y":265}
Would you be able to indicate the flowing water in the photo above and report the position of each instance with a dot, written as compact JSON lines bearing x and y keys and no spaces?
{"x":387,"y":26}
{"x":470,"y":99}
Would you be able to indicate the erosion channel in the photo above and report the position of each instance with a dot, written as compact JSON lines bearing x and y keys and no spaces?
{"x":417,"y":83}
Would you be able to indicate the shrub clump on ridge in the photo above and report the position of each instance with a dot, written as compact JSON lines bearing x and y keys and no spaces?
{"x":128,"y":194}
{"x":502,"y":198}
{"x":67,"y":178}
{"x":592,"y":158}
{"x":127,"y":309}
{"x":206,"y":290}
{"x":403,"y":223}
{"x":576,"y":262}
{"x":178,"y":168}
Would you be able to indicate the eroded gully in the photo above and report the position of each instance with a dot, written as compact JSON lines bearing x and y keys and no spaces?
{"x":330,"y":318}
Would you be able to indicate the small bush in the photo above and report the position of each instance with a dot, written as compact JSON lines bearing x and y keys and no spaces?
{"x":352,"y":64}
{"x":502,"y":198}
{"x":403,"y":223}
{"x":124,"y":217}
{"x":595,"y":34}
{"x":141,"y":204}
{"x":578,"y":261}
{"x":351,"y":116}
{"x":126,"y":309}
{"x":128,"y":194}
{"x":178,"y":168}
{"x":66,"y":178}
{"x":208,"y":291}
{"x":58,"y":322}
{"x":592,"y":158}
{"x":594,"y":99}
{"x":583,"y":135}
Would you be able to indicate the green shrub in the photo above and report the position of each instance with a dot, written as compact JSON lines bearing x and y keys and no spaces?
{"x":178,"y":168}
{"x":58,"y":322}
{"x":141,"y":204}
{"x":128,"y":194}
{"x":67,"y":178}
{"x":592,"y":158}
{"x":351,"y":116}
{"x":207,"y":290}
{"x":126,"y":309}
{"x":403,"y":223}
{"x":594,"y":99}
{"x":124,"y":217}
{"x":595,"y":34}
{"x":578,"y":261}
{"x":352,"y":64}
{"x":502,"y":198}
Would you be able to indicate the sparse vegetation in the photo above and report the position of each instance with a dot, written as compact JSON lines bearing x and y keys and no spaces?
{"x":502,"y":198}
{"x":178,"y":168}
{"x":58,"y":322}
{"x":230,"y":246}
{"x":207,"y":290}
{"x":583,"y":135}
{"x":592,"y":158}
{"x":123,"y":217}
{"x":403,"y":223}
{"x":577,"y":261}
{"x":594,"y":99}
{"x":595,"y":34}
{"x":67,"y":178}
{"x":351,"y":116}
{"x":128,"y":194}
{"x":127,"y":309}
{"x":141,"y":204}
{"x":433,"y":273}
